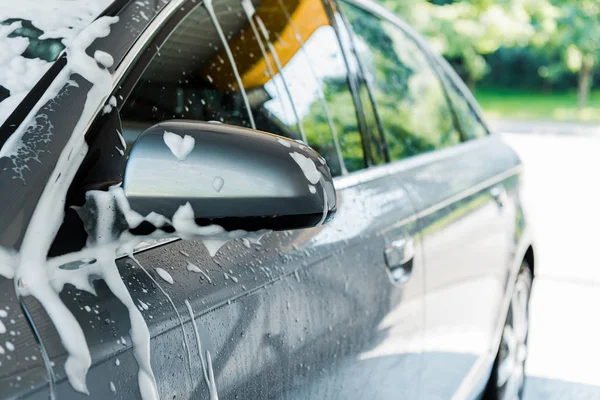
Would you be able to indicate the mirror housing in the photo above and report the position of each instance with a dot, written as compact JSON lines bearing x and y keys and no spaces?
{"x":233,"y":177}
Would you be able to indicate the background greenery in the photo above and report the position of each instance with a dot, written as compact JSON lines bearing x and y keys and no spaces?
{"x":523,"y":59}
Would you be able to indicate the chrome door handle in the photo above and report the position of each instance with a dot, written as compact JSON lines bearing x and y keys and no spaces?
{"x":399,"y":257}
{"x":499,"y":195}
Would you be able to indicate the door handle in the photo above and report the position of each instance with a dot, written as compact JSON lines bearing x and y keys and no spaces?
{"x":399,"y":257}
{"x":499,"y":195}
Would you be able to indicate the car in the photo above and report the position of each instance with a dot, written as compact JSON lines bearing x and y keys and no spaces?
{"x":251,"y":199}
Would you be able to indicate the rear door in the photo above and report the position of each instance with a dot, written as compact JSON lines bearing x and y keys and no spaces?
{"x":463,"y":192}
{"x":330,"y":312}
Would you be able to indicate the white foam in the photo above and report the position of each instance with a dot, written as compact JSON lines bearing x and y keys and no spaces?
{"x":30,"y":269}
{"x":198,"y":343}
{"x":144,"y":305}
{"x":192,"y":268}
{"x":104,"y":59}
{"x":284,"y":142}
{"x":185,"y":341}
{"x":218,"y":183}
{"x":181,"y":147}
{"x":205,"y":275}
{"x":211,"y":378}
{"x":164,"y":275}
{"x":308,"y":167}
{"x":61,"y":19}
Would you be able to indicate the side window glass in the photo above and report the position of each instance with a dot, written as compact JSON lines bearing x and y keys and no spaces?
{"x":409,"y":96}
{"x":188,"y":78}
{"x":470,"y":123}
{"x":279,"y":69}
{"x":306,"y":48}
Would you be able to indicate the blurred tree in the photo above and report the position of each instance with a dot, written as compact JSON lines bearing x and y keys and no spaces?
{"x":469,"y":29}
{"x":575,"y":38}
{"x":465,"y":31}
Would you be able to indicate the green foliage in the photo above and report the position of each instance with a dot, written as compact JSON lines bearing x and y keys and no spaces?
{"x":574,"y":38}
{"x":534,"y":105}
{"x":563,"y":34}
{"x":468,"y":30}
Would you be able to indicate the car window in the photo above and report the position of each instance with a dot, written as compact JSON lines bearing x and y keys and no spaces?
{"x":371,"y":118}
{"x":287,"y":68}
{"x":469,"y":120}
{"x":409,"y":95}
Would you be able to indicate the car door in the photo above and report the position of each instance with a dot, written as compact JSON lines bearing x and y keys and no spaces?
{"x":464,"y":193}
{"x":334,"y":311}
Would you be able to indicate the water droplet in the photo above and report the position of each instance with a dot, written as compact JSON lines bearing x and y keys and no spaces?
{"x":218,"y":183}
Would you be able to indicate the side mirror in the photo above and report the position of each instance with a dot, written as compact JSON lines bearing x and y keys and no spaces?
{"x":233,"y":177}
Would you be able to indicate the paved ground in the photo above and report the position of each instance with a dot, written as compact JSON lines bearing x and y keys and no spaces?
{"x":562,"y":192}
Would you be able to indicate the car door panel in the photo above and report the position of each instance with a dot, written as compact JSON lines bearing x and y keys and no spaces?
{"x":467,"y":240}
{"x":306,"y":314}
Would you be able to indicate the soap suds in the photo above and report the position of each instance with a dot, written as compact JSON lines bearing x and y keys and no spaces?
{"x":284,"y":142}
{"x":62,"y":20}
{"x":192,"y":268}
{"x":308,"y":167}
{"x":205,"y":275}
{"x":207,"y":368}
{"x":104,"y":59}
{"x":198,"y":343}
{"x":164,"y":275}
{"x":187,"y":347}
{"x":218,"y":183}
{"x":211,"y":378}
{"x":181,"y":147}
{"x":31,"y":272}
{"x":143,"y":305}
